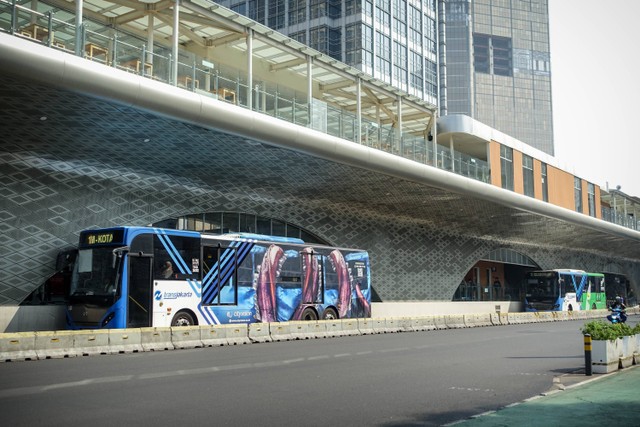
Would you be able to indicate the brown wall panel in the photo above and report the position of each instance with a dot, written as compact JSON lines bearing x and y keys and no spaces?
{"x":518,"y":184}
{"x":494,"y":163}
{"x":560,"y":188}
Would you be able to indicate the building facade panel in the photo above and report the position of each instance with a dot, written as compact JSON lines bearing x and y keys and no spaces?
{"x":561,"y":188}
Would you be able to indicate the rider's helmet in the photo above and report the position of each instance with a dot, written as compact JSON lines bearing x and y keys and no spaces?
{"x":618,"y":299}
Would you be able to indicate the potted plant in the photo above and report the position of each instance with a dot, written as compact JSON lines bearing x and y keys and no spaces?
{"x":609,"y":349}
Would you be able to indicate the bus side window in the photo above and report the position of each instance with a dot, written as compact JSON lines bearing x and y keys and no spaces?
{"x":177,"y":261}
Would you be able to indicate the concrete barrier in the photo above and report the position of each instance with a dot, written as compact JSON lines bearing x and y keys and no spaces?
{"x":156,"y":339}
{"x":393,"y":324}
{"x":545,"y":316}
{"x":280,"y":331}
{"x":379,"y":325}
{"x":423,"y":323}
{"x":440,"y":322}
{"x":237,"y":333}
{"x":495,"y":319}
{"x":300,"y":330}
{"x":54,"y":344}
{"x":125,"y":340}
{"x":403,"y":324}
{"x":259,"y":332}
{"x":365,"y":326}
{"x":91,"y":342}
{"x":333,"y":327}
{"x":454,"y":321}
{"x":350,"y":327}
{"x":213,"y":335}
{"x":18,"y":346}
{"x":186,"y":337}
{"x":560,"y":316}
{"x":478,"y":319}
{"x":318,"y":329}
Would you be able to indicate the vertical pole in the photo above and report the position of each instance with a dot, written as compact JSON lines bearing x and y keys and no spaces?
{"x":359,"y":110}
{"x":174,"y":49}
{"x":79,"y":28}
{"x":250,"y":69}
{"x":587,"y":355}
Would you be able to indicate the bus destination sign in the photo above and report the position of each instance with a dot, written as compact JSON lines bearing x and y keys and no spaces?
{"x":102,"y":237}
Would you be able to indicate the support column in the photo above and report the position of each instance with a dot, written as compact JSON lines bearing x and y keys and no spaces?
{"x":250,"y":69}
{"x":310,"y":89}
{"x":149,"y":58}
{"x":359,"y":110}
{"x":453,"y":154}
{"x":79,"y":28}
{"x":174,"y":49}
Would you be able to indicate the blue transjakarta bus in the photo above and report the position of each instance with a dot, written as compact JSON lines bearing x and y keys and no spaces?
{"x":139,"y":276}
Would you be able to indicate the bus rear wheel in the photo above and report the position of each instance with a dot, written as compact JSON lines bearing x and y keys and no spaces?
{"x":329,"y":314}
{"x":182,"y":318}
{"x":309,"y":314}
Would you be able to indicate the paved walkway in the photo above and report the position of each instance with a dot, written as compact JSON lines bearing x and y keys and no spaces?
{"x":600,"y":400}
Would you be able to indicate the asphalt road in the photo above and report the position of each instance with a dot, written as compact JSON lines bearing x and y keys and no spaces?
{"x":419,"y":378}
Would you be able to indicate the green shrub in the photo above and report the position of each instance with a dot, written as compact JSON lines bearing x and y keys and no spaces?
{"x":600,"y":330}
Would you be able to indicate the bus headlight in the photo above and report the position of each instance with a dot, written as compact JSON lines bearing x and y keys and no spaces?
{"x":108,"y":319}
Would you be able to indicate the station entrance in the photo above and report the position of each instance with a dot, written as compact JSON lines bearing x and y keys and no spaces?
{"x":498,"y":277}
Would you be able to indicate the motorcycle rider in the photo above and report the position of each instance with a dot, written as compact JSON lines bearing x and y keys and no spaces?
{"x":618,"y":306}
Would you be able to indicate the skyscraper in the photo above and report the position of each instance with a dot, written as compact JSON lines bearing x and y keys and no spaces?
{"x":498,"y":67}
{"x":493,"y":55}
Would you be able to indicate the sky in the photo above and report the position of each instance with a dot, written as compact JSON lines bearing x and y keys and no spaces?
{"x":595,"y":78}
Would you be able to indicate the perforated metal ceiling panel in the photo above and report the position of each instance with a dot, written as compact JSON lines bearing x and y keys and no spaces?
{"x":70,"y":162}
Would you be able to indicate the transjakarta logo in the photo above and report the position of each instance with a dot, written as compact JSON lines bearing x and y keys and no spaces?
{"x":176,"y":295}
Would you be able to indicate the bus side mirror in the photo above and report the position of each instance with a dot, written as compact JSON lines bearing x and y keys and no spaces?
{"x":117,"y":253}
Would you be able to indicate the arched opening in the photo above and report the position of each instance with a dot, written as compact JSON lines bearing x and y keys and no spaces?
{"x":499,"y":276}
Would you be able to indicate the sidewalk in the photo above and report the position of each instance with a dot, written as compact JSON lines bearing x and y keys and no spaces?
{"x":599,"y":400}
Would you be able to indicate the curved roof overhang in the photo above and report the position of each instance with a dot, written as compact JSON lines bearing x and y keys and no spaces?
{"x":499,"y":214}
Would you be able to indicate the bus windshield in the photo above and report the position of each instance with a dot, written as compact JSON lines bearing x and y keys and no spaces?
{"x":542,"y":290}
{"x":95,"y":273}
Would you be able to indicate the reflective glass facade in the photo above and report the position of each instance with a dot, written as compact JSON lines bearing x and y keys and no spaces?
{"x":394,"y":41}
{"x":498,"y":67}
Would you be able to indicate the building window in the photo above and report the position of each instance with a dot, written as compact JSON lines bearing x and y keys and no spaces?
{"x":577,"y":191}
{"x":383,"y":57}
{"x":276,"y":14}
{"x":492,"y":55}
{"x":545,"y":184}
{"x":352,"y":7}
{"x":527,"y":175}
{"x":297,"y":11}
{"x":592,"y":199}
{"x":319,"y":39}
{"x":506,"y":167}
{"x":318,"y":9}
{"x":367,"y":47}
{"x":416,"y":80}
{"x":256,"y":10}
{"x":300,"y":36}
{"x":353,"y":44}
{"x":238,"y":222}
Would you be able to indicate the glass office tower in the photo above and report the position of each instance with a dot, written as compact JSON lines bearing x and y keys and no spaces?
{"x":494,"y":54}
{"x":498,"y":67}
{"x":394,"y":41}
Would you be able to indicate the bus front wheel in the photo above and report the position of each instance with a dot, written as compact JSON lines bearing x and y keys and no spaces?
{"x":309,"y":314}
{"x":183,"y":318}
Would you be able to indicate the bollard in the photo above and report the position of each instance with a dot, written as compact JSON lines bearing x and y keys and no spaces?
{"x":587,"y":355}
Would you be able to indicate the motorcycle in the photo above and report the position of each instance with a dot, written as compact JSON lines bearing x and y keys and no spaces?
{"x":617,"y":315}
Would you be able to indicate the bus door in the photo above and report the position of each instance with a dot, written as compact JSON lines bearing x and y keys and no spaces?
{"x":139,"y":310}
